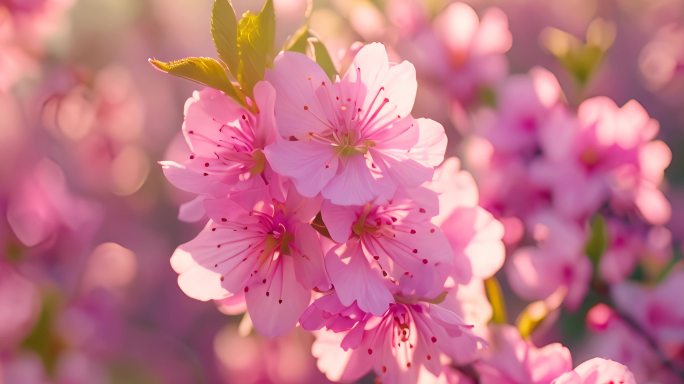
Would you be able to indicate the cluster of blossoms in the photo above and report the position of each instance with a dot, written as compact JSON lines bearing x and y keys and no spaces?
{"x":547,"y":172}
{"x":331,"y":207}
{"x":329,"y":195}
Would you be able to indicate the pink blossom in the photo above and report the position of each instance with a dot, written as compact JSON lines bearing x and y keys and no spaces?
{"x":465,"y":52}
{"x":352,"y":140}
{"x":512,"y":360}
{"x":409,"y":336}
{"x":653,"y":309}
{"x":524,"y":103}
{"x":226,"y":144}
{"x":269,"y":252}
{"x":597,"y":371}
{"x":557,"y":263}
{"x":383,"y":244}
{"x":611,"y":338}
{"x":474,"y":234}
{"x":41,"y":206}
{"x":608,"y":156}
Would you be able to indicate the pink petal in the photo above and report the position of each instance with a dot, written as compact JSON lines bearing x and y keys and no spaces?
{"x":265,"y":96}
{"x":336,"y":363}
{"x":208,"y":272}
{"x":477,"y":235}
{"x":193,"y":210}
{"x":311,"y":165}
{"x":275,"y":307}
{"x":354,"y":184}
{"x":308,"y":258}
{"x":354,"y":280}
{"x":339,"y":220}
{"x":431,"y":145}
{"x":295,"y":78}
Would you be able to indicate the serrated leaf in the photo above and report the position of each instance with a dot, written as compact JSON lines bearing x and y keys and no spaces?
{"x":256,"y":40}
{"x":203,"y":70}
{"x":496,"y":299}
{"x":224,"y":32}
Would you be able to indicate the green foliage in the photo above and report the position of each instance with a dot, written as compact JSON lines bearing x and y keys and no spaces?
{"x":43,"y":339}
{"x":598,"y":240}
{"x":255,"y":44}
{"x":323,"y":58}
{"x":224,"y":30}
{"x":203,"y":70}
{"x":581,"y":58}
{"x":245,"y":49}
{"x":306,"y":42}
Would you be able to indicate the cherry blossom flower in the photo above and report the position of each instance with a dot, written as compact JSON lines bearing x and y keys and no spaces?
{"x":270,"y":253}
{"x":226,"y":144}
{"x":512,"y":360}
{"x":382,"y":244}
{"x":557,"y":263}
{"x":608,"y":156}
{"x":596,"y":371}
{"x":474,"y":234}
{"x":652,"y":308}
{"x":463,"y":52}
{"x":352,"y":140}
{"x":409,"y":336}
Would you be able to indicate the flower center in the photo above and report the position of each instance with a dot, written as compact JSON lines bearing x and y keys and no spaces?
{"x":259,"y":162}
{"x":347,"y":145}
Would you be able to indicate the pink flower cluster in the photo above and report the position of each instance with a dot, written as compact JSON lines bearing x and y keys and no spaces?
{"x":327,"y":209}
{"x":547,"y":170}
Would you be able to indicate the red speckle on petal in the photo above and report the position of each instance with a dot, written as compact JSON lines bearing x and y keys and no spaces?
{"x":223,"y":219}
{"x":246,"y":289}
{"x":413,"y":231}
{"x":370,"y":351}
{"x":422,"y":210}
{"x":433,"y":339}
{"x":414,"y":250}
{"x":429,"y":357}
{"x":280,"y":301}
{"x":268,"y":293}
{"x":425,"y":261}
{"x":384,"y":369}
{"x":306,"y":107}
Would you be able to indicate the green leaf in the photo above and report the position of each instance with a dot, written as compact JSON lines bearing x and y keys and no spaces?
{"x":306,"y":42}
{"x":323,"y":58}
{"x":224,"y":33}
{"x":598,"y":240}
{"x":256,"y":40}
{"x":44,"y":339}
{"x":299,"y":41}
{"x":496,"y":299}
{"x":203,"y":70}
